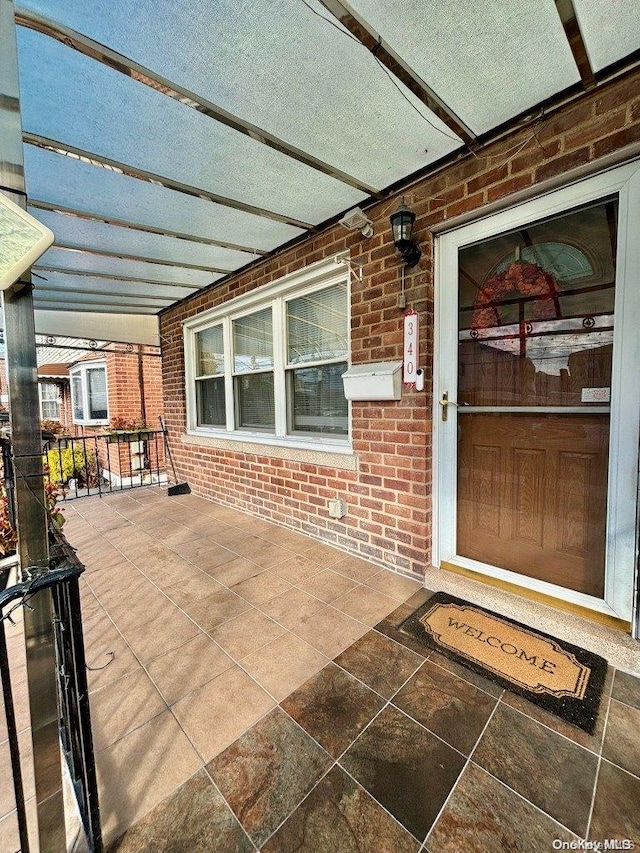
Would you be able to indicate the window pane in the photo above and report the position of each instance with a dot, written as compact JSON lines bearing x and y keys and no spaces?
{"x":319,"y":404}
{"x":49,"y":391}
{"x":78,"y":406}
{"x":253,"y":342}
{"x":317,"y":326}
{"x":254,"y":398}
{"x":536,"y":312}
{"x":210,"y":352}
{"x":50,"y":410}
{"x":97,"y":387}
{"x":210,"y":401}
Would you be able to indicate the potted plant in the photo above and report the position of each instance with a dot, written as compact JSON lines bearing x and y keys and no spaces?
{"x":125,"y":429}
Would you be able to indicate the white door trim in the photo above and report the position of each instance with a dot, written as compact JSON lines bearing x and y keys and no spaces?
{"x":625,"y":390}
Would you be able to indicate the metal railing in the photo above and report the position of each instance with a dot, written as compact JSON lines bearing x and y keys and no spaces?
{"x":105,"y":463}
{"x":73,"y":693}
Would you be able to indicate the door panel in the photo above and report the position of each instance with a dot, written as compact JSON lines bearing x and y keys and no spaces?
{"x":532,"y":495}
{"x":535,"y":354}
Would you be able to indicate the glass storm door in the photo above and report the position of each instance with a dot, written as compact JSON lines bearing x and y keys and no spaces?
{"x":527,"y":408}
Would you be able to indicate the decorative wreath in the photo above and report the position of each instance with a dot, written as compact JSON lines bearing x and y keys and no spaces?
{"x":523,"y":277}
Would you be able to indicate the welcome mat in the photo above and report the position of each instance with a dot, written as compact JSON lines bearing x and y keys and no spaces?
{"x":560,"y":677}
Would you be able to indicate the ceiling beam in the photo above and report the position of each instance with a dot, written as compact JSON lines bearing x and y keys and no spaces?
{"x":567,"y":13}
{"x":87,"y":46}
{"x":111,"y":307}
{"x":67,"y":271}
{"x":143,"y":175}
{"x":109,"y":254}
{"x":96,"y":292}
{"x":136,"y":226}
{"x":370,"y":39}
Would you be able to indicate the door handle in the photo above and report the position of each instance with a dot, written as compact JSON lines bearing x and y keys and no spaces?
{"x":445,"y":402}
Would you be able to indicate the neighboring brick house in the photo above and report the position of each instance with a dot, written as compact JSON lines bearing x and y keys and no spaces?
{"x":116,"y":383}
{"x":254,"y":427}
{"x":108,"y":388}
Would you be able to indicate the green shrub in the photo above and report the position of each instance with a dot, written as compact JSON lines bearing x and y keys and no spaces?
{"x":72,"y":462}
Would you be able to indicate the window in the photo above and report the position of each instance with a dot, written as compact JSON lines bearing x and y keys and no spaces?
{"x":270,"y":364}
{"x":49,"y":401}
{"x":89,"y":394}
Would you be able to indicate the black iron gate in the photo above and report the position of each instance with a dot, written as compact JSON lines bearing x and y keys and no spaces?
{"x":73,"y":694}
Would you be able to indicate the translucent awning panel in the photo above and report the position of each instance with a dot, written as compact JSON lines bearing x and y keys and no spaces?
{"x":280,"y":66}
{"x":97,"y":305}
{"x":605,"y":42}
{"x":68,"y":259}
{"x":71,"y":183}
{"x":82,"y":285}
{"x":89,"y":234}
{"x":81,"y":102}
{"x":488,"y":60}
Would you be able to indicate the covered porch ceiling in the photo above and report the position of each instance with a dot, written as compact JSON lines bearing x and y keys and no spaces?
{"x":168,"y":143}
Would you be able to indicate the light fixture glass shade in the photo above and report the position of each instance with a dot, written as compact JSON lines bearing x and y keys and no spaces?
{"x":402,"y":226}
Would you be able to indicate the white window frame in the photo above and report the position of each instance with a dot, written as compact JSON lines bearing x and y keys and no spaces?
{"x":318,"y":276}
{"x":41,"y":386}
{"x":81,"y":371}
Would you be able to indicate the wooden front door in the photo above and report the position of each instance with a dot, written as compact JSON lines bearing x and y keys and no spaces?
{"x":527,"y":415}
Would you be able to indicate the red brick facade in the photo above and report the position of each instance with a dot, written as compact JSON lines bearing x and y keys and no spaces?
{"x":388,"y":495}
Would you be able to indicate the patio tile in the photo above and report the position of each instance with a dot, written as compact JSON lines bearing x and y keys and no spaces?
{"x":329,"y":631}
{"x":626,"y":688}
{"x":356,"y":568}
{"x":122,"y":706}
{"x":182,"y":670}
{"x":108,"y":659}
{"x":326,"y":585}
{"x":621,"y":742}
{"x":296,"y":568}
{"x":205,"y":714}
{"x":283,"y":664}
{"x":209,"y":610}
{"x":9,"y":837}
{"x":338,"y":815}
{"x":194,"y":818}
{"x":160,"y":635}
{"x":139,"y":770}
{"x":267,"y":772}
{"x":472,"y":677}
{"x":553,"y":773}
{"x":246,"y":633}
{"x":615,"y":808}
{"x":451,"y":708}
{"x":261,"y":588}
{"x":140,"y":608}
{"x":365,"y":604}
{"x":333,"y":707}
{"x":285,"y":538}
{"x":322,"y":554}
{"x":196,"y":548}
{"x":264,"y":553}
{"x":382,"y":664}
{"x":393,"y":584}
{"x":482,"y":814}
{"x":7,"y":798}
{"x":291,"y":606}
{"x":407,"y":769}
{"x":235,"y":571}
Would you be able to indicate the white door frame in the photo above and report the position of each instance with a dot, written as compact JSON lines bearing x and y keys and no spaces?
{"x":625,"y":385}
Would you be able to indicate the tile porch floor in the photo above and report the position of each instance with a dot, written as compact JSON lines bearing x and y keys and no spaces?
{"x":261,"y":698}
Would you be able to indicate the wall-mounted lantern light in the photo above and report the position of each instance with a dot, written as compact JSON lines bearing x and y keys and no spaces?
{"x":402,"y":226}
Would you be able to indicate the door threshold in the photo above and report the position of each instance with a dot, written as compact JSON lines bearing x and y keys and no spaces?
{"x":568,"y":606}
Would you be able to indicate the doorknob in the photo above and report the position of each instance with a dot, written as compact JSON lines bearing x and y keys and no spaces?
{"x":445,"y":402}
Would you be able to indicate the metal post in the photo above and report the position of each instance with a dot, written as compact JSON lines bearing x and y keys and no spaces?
{"x":24,"y":411}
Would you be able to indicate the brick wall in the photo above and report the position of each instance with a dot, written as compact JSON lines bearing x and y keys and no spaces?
{"x":389,"y":495}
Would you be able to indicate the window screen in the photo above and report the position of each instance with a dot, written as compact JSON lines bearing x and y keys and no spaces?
{"x":97,"y":393}
{"x":317,"y":326}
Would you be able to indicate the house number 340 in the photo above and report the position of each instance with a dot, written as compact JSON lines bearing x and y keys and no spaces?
{"x":411,"y":355}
